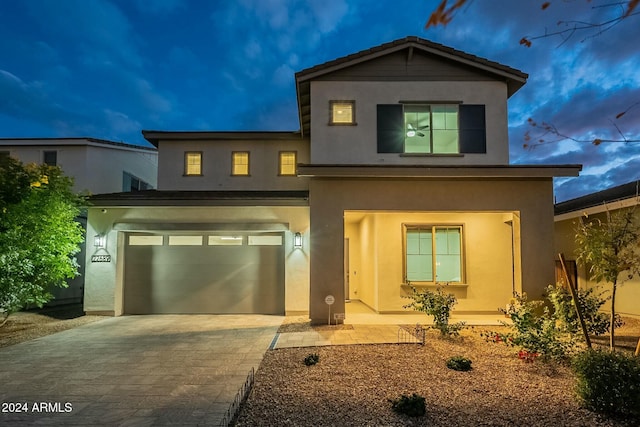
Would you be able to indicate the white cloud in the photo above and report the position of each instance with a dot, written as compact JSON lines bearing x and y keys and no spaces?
{"x":328,"y":13}
{"x":159,"y":6}
{"x":120,"y":124}
{"x":283,"y":75}
{"x":150,"y":98}
{"x":96,"y":26}
{"x":252,"y":49}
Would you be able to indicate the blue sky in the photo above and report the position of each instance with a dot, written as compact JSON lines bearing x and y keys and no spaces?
{"x":110,"y":68}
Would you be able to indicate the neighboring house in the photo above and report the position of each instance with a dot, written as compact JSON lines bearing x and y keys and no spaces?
{"x":96,"y":166}
{"x":596,"y":206}
{"x":399,"y":174}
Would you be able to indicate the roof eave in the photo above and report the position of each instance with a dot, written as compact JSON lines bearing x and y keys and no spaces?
{"x":438,"y":171}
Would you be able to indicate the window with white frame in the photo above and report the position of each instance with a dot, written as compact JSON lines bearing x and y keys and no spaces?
{"x":433,"y":253}
{"x":193,"y":163}
{"x":342,"y":112}
{"x":431,"y":128}
{"x":240,"y":163}
{"x":287,"y":163}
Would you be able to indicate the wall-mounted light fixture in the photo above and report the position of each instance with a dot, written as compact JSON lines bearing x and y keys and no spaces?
{"x":100,"y":241}
{"x":297,"y":240}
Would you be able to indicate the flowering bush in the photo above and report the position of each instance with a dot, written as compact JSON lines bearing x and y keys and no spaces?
{"x":535,"y":331}
{"x":437,"y":304}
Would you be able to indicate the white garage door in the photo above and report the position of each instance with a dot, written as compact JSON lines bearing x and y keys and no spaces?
{"x":204,"y":273}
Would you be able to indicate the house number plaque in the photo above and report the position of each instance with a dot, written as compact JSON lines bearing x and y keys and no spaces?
{"x":100,"y":258}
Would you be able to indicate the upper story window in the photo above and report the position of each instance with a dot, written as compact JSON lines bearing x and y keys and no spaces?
{"x":287,"y":163}
{"x":431,"y":128}
{"x":193,"y":163}
{"x":50,"y":158}
{"x":342,"y":112}
{"x":240,"y":163}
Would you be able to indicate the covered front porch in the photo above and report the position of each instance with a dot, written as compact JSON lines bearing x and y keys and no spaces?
{"x":475,"y":255}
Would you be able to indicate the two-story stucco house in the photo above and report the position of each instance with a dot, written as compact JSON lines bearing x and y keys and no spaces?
{"x":96,"y":166}
{"x":399,"y":174}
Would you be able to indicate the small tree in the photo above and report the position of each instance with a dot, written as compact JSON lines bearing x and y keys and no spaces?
{"x":38,"y":233}
{"x":610,"y":249}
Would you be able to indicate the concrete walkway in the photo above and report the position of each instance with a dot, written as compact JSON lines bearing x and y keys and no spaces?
{"x":133,"y":371}
{"x":363,"y":326}
{"x":372,"y":333}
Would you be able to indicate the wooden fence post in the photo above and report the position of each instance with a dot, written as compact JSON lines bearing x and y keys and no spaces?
{"x":574,"y":293}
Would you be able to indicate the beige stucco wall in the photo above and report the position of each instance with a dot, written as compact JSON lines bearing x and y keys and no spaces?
{"x":627,"y":295}
{"x":357,"y":144}
{"x":331,"y":198}
{"x":105,"y":167}
{"x":216,"y":165}
{"x":104,"y":281}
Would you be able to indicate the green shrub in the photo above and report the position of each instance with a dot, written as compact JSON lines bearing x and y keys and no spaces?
{"x":413,"y":406}
{"x":535,"y":330}
{"x":437,"y":304}
{"x":459,"y":363}
{"x":564,"y":309}
{"x":311,"y":359}
{"x":609,"y":382}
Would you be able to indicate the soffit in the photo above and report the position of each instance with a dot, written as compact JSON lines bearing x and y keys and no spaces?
{"x":437,"y":171}
{"x":155,"y":136}
{"x":202,"y":198}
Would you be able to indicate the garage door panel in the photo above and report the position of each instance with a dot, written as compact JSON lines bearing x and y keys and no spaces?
{"x":204,"y":279}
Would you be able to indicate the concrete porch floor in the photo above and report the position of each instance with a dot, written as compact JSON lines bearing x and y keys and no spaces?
{"x":364,"y":326}
{"x":358,"y":313}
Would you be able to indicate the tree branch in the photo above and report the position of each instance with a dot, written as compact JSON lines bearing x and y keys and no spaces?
{"x":548,"y":129}
{"x":567,"y":33}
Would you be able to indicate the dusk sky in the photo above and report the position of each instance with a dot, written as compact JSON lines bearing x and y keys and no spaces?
{"x":110,"y":68}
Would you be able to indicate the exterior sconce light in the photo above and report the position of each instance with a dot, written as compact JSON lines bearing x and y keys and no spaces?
{"x":100,"y":241}
{"x":297,"y":240}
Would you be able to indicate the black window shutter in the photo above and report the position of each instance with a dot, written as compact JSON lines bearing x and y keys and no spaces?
{"x":390,"y":128}
{"x":473,"y":136}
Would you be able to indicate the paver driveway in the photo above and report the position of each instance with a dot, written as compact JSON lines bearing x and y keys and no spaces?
{"x":133,"y":370}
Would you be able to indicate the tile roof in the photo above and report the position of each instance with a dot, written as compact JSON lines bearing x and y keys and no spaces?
{"x":198,"y":198}
{"x":614,"y":194}
{"x":155,"y":136}
{"x":72,"y":141}
{"x":419,"y":42}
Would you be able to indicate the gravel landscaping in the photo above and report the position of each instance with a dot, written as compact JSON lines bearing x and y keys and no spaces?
{"x":28,"y":325}
{"x":353,"y":385}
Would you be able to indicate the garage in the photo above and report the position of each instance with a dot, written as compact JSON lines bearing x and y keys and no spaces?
{"x":204,"y":273}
